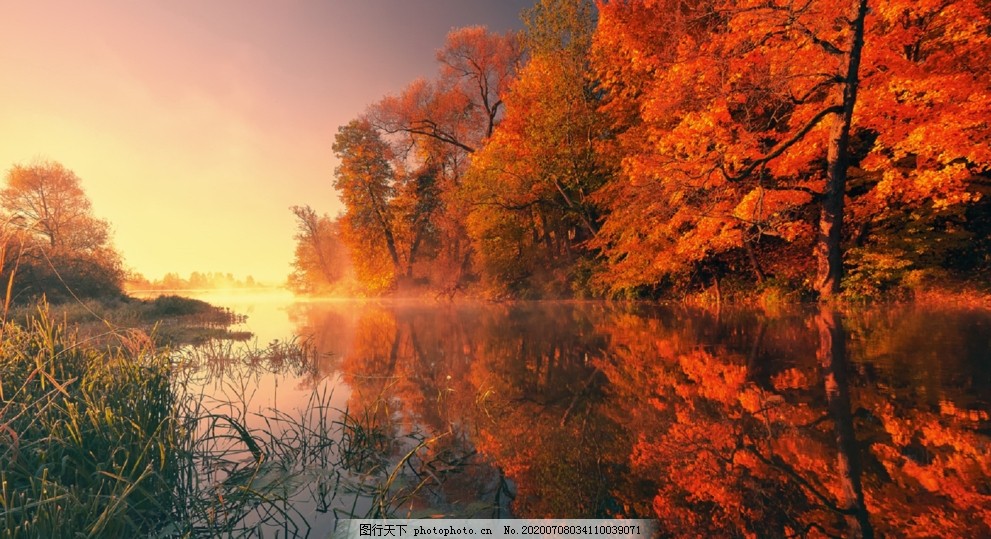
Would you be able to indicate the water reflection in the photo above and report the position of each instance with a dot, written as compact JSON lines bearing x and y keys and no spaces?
{"x":715,"y":423}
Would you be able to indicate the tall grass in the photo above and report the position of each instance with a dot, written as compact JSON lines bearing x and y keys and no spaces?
{"x":87,"y":437}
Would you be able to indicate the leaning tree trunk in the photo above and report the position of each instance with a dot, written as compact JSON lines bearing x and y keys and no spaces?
{"x":829,"y":254}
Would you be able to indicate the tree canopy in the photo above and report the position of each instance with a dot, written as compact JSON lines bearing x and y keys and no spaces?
{"x":53,"y":245}
{"x":734,"y":121}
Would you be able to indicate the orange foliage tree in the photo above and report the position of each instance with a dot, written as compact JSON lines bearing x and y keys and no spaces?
{"x":737,"y":124}
{"x":52,"y":243}
{"x":365,"y":182}
{"x":529,"y":187}
{"x":434,"y":126}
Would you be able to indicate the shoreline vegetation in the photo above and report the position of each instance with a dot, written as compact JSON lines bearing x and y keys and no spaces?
{"x":168,"y":319}
{"x":941,"y":293}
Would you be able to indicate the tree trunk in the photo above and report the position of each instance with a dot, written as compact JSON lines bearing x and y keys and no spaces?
{"x":390,"y":240}
{"x":719,"y":291}
{"x":413,"y":250}
{"x":829,"y":253}
{"x":754,"y":262}
{"x":390,"y":243}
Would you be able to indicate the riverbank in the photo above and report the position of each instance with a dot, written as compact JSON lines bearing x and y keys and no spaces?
{"x":167,"y":319}
{"x":772,"y":294}
{"x":108,"y":438}
{"x":108,"y":434}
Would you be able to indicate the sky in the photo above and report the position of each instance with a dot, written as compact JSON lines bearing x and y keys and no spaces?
{"x":195,"y":124}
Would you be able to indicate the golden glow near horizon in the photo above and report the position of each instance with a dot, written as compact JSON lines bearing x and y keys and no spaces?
{"x":195,"y":125}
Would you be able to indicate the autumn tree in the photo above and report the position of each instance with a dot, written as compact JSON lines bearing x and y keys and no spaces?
{"x":922,"y":201}
{"x":365,"y":180}
{"x":390,"y":205}
{"x":416,"y":204}
{"x":462,"y":106}
{"x":530,"y":185}
{"x":62,"y":249}
{"x":714,"y":107}
{"x":54,"y":206}
{"x":435,"y":125}
{"x":320,"y":258}
{"x":739,"y":123}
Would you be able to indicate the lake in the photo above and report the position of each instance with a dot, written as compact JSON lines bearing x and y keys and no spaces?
{"x":724,"y":422}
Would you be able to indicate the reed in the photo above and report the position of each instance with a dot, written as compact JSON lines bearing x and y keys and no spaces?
{"x":88,"y":436}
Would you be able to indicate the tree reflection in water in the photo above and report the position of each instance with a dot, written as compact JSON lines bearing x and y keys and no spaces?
{"x":727,"y":423}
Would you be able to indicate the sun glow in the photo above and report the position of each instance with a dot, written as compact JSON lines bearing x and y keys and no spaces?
{"x":194,"y":127}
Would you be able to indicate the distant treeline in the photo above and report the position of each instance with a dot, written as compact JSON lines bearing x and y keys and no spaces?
{"x":644,"y":149}
{"x":195,"y":281}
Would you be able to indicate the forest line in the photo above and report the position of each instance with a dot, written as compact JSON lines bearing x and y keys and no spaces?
{"x":650,"y":149}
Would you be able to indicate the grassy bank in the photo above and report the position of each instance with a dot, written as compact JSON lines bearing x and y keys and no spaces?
{"x":88,"y":438}
{"x":110,"y":441}
{"x":169,"y":319}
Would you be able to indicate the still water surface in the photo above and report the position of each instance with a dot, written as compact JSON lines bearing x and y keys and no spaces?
{"x":803,"y":422}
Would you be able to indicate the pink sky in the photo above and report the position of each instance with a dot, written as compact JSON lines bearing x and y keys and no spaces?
{"x":195,"y":124}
